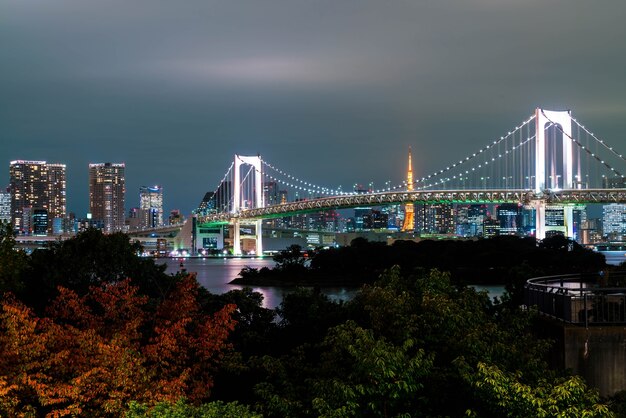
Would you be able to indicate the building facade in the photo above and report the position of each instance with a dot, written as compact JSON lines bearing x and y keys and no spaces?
{"x":107,"y":191}
{"x":5,"y":207}
{"x":151,"y":206}
{"x":36,"y":186}
{"x":614,"y":220}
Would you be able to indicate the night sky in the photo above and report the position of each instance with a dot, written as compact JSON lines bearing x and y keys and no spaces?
{"x":332,"y":91}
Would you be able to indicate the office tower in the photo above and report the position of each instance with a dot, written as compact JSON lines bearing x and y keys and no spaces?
{"x":207,"y":205}
{"x":614,"y":220}
{"x":469,"y":220}
{"x":509,"y":215}
{"x":491,"y":227}
{"x":436,"y":218}
{"x":270,"y":193}
{"x":133,"y":220}
{"x":5,"y":207}
{"x":176,"y":217}
{"x":409,"y":208}
{"x":106,"y":195}
{"x":37,"y":185}
{"x":151,"y":206}
{"x":40,"y":222}
{"x":361,"y":216}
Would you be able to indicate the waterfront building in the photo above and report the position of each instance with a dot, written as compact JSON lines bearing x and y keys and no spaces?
{"x":107,"y":191}
{"x":176,"y":217}
{"x":409,"y":208}
{"x":529,"y":220}
{"x":509,"y":216}
{"x":151,"y":206}
{"x":469,"y":220}
{"x":360,"y":215}
{"x":395,"y":217}
{"x":555,"y":220}
{"x":491,"y":227}
{"x":271,"y":195}
{"x":579,"y":215}
{"x":37,"y":185}
{"x":40,"y":221}
{"x":5,"y":206}
{"x":207,"y":204}
{"x":436,"y":218}
{"x":614,"y":220}
{"x":133,"y":221}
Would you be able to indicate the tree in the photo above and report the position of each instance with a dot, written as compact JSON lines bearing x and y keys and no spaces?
{"x":12,"y":262}
{"x":292,"y":259}
{"x":92,"y":354}
{"x":88,"y":259}
{"x":182,"y":409}
{"x":361,"y":373}
{"x":504,"y":394}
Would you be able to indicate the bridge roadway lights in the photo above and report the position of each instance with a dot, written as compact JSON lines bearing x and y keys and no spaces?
{"x":527,"y":197}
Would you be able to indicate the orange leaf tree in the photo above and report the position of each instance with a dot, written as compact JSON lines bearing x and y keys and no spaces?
{"x":91,"y":355}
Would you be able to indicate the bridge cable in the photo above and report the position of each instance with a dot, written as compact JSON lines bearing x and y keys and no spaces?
{"x":594,"y":155}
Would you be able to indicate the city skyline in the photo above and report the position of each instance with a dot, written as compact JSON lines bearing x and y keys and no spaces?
{"x":333,"y":92}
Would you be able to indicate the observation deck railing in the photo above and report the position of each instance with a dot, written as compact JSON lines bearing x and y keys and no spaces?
{"x":579,"y":298}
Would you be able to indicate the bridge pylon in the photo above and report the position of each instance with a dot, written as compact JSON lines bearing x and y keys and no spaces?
{"x":238,"y":201}
{"x":548,"y":171}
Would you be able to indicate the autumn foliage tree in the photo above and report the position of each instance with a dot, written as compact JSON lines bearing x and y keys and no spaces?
{"x":91,"y":355}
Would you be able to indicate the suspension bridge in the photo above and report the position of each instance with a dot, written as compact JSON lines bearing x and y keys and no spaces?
{"x":550,"y":159}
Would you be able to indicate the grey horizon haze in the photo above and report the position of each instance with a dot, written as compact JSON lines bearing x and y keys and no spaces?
{"x":333,"y":92}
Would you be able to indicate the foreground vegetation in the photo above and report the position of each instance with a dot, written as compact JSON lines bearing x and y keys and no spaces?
{"x":90,"y":329}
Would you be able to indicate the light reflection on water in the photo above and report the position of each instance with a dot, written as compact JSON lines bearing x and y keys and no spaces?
{"x":215,"y":273}
{"x":614,"y":257}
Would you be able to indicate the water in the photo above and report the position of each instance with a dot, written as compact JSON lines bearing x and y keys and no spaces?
{"x":614,"y":257}
{"x":215,"y":273}
{"x":493,"y":291}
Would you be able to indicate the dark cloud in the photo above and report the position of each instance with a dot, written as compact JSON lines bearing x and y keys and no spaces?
{"x":331,"y":91}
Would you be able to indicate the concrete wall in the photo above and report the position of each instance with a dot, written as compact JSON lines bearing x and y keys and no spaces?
{"x":597,"y":353}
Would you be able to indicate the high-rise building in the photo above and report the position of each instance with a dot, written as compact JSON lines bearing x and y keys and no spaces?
{"x":106,"y":195}
{"x":5,"y":206}
{"x":151,"y":206}
{"x":37,"y":185}
{"x":207,"y":205}
{"x":176,"y":217}
{"x":509,"y":215}
{"x":614,"y":220}
{"x":469,"y":219}
{"x":270,"y":193}
{"x":409,"y":208}
{"x":436,"y":218}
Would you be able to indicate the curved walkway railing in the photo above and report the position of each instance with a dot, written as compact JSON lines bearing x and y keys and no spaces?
{"x":579,"y":298}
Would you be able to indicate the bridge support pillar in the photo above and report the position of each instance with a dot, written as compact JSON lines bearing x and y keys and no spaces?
{"x":540,"y":219}
{"x":568,"y":218}
{"x":259,"y":237}
{"x":236,"y":237}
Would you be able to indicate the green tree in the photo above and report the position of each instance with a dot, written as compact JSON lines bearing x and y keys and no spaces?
{"x":367,"y":376}
{"x":12,"y":262}
{"x":291,"y":259}
{"x":504,"y":394}
{"x":182,"y":409}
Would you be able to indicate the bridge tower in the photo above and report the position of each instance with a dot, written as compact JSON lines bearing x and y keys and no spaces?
{"x":409,"y":208}
{"x":255,"y":162}
{"x":546,"y":177}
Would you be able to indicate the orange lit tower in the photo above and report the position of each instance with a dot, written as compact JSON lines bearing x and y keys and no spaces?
{"x":409,"y":218}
